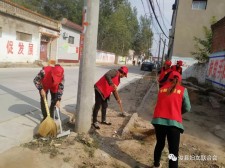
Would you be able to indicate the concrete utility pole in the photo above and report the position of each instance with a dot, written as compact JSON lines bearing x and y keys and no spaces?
{"x":159,"y":46}
{"x":87,"y":67}
{"x":164,"y":45}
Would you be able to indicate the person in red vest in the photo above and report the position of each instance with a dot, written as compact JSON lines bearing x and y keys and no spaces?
{"x":106,"y":85}
{"x":178,"y":67}
{"x":50,"y":79}
{"x":172,"y":102}
{"x":164,"y":73}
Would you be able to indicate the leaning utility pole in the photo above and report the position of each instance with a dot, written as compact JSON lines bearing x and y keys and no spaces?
{"x":164,"y":45}
{"x":159,"y":47}
{"x":87,"y":67}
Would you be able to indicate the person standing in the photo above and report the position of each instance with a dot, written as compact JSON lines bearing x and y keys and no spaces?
{"x":50,"y":79}
{"x":178,"y":67}
{"x":106,"y":85}
{"x":172,"y":102}
{"x":164,"y":73}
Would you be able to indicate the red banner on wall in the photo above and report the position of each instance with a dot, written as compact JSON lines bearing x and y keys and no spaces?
{"x":216,"y":69}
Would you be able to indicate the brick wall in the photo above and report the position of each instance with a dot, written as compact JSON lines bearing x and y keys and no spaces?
{"x":218,"y":41}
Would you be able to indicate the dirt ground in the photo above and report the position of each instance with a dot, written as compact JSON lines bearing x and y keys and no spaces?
{"x":202,"y":144}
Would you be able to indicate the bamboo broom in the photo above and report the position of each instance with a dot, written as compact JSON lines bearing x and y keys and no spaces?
{"x":48,"y":126}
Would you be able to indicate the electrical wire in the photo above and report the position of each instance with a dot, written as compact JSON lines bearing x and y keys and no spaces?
{"x":157,"y":19}
{"x":160,"y":12}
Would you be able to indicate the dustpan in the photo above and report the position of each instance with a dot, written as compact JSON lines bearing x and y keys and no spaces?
{"x":61,"y":132}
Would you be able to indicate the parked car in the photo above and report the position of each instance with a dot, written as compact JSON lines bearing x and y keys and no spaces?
{"x":147,"y":66}
{"x":157,"y":65}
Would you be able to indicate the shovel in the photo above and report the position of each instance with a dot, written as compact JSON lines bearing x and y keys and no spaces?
{"x":62,"y":133}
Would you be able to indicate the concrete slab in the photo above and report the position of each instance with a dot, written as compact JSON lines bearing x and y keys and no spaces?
{"x":21,"y":129}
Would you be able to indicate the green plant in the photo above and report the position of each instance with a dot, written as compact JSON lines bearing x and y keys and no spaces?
{"x":203,"y":46}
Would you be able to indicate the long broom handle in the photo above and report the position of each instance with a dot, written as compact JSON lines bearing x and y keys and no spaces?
{"x":118,"y":98}
{"x":121,"y":107}
{"x":46,"y":106}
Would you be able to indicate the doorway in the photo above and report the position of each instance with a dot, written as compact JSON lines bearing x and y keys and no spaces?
{"x":43,"y":51}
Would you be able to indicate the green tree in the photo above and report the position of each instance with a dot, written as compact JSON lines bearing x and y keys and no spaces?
{"x":56,"y":9}
{"x":106,"y":10}
{"x":143,"y":38}
{"x":203,"y":46}
{"x":34,"y":5}
{"x":117,"y":26}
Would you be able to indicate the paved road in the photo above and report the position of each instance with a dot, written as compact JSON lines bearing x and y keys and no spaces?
{"x":20,"y":109}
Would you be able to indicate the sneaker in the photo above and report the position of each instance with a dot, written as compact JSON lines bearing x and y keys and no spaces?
{"x":95,"y":125}
{"x":106,"y":123}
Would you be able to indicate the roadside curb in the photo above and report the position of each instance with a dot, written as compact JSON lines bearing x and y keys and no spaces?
{"x":126,"y":133}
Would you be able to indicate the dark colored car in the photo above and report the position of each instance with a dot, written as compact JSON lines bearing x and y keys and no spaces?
{"x":147,"y":66}
{"x":157,"y":65}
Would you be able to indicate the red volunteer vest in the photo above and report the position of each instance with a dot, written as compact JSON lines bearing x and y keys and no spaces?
{"x":162,"y":74}
{"x":175,"y":68}
{"x":47,"y":81}
{"x":104,"y":87}
{"x":169,"y":106}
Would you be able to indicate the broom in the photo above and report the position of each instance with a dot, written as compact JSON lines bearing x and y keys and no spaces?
{"x":123,"y":114}
{"x":48,"y":126}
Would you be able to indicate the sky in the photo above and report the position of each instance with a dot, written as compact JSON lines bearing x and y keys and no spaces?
{"x":166,"y":13}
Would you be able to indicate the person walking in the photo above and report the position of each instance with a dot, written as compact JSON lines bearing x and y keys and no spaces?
{"x":50,"y":79}
{"x":164,"y":73}
{"x":178,"y":67}
{"x":172,"y":102}
{"x":106,"y":85}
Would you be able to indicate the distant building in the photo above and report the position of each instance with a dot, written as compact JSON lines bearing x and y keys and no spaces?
{"x":189,"y":17}
{"x":26,"y":36}
{"x":69,"y":42}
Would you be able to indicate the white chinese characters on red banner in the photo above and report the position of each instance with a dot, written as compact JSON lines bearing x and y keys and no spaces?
{"x":20,"y":49}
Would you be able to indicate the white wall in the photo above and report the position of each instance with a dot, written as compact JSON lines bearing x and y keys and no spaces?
{"x":197,"y":71}
{"x":187,"y":64}
{"x":68,"y":51}
{"x":105,"y":57}
{"x":13,"y":50}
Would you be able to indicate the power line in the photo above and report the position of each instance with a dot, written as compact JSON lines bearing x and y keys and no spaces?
{"x":168,"y":22}
{"x":143,"y":7}
{"x":157,"y":19}
{"x":160,"y":12}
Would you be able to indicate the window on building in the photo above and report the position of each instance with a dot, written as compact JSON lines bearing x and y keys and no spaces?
{"x":23,"y":36}
{"x":0,"y":32}
{"x":199,"y":4}
{"x":71,"y":40}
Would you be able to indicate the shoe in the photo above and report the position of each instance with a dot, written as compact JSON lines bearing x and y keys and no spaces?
{"x":157,"y":166}
{"x":106,"y":123}
{"x":95,"y":125}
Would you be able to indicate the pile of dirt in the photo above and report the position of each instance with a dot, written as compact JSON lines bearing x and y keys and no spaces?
{"x":107,"y":148}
